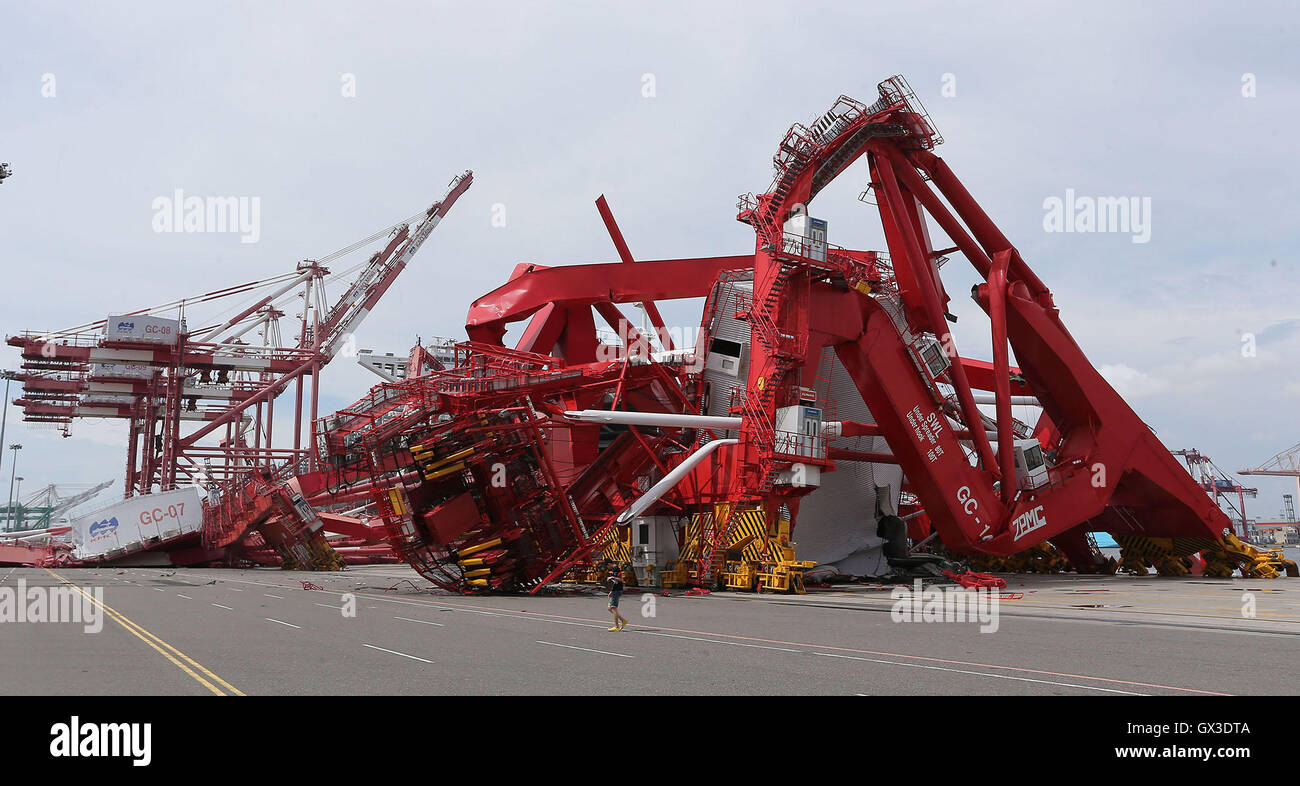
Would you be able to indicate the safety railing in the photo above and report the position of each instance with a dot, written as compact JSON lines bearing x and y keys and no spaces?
{"x":86,"y":339}
{"x":795,"y":445}
{"x":896,"y":91}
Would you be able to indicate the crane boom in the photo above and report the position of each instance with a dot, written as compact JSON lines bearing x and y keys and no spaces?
{"x":68,"y":503}
{"x":383,"y":270}
{"x":163,"y":374}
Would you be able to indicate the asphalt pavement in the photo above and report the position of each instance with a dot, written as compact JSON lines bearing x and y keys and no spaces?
{"x":379,"y":630}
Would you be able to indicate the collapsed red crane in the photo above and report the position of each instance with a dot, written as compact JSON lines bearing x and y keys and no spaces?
{"x":512,"y":465}
{"x":508,"y":467}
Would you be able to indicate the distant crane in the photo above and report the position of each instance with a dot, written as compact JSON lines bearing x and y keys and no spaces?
{"x":1284,"y":531}
{"x":48,"y":505}
{"x":1220,"y":486}
{"x":1285,"y":464}
{"x":162,"y":374}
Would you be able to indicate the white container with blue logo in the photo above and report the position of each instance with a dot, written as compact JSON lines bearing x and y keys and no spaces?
{"x":136,"y":329}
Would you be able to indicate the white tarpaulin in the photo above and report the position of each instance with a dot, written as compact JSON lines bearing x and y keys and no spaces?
{"x":837,"y":524}
{"x":137,"y":521}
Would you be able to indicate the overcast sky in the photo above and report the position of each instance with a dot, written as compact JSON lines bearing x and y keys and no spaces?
{"x":1192,"y":105}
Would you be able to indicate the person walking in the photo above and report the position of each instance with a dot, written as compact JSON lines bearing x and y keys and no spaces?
{"x":615,"y":582}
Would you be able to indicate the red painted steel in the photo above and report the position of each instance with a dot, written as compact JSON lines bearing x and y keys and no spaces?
{"x":460,"y":520}
{"x":482,"y":483}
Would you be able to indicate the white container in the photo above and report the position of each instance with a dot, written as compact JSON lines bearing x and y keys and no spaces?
{"x":120,"y":371}
{"x":132,"y":523}
{"x":142,"y":329}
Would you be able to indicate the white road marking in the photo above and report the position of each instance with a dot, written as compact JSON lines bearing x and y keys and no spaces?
{"x":159,"y":589}
{"x":981,"y":674}
{"x":534,"y":618}
{"x":187,"y":597}
{"x":290,"y":624}
{"x":599,"y":625}
{"x":422,"y":622}
{"x":395,"y":652}
{"x":269,"y":595}
{"x":445,"y":607}
{"x":218,"y":605}
{"x":584,"y":649}
{"x":484,"y":613}
{"x":715,"y":641}
{"x":234,"y":589}
{"x":328,"y":606}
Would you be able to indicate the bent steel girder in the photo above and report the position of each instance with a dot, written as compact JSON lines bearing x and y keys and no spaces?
{"x":1105,"y":455}
{"x":1103,"y":447}
{"x":535,"y":287}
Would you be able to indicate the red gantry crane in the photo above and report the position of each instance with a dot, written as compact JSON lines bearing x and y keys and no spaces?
{"x":200,"y":400}
{"x":1284,"y":465}
{"x":1221,"y":489}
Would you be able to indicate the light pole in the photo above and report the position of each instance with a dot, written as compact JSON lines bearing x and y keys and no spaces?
{"x":4,"y":415}
{"x":18,"y":500}
{"x":12,"y":473}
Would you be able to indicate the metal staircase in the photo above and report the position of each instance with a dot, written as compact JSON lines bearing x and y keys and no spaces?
{"x":714,"y":534}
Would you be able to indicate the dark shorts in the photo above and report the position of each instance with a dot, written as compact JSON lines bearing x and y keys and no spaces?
{"x":613,"y":599}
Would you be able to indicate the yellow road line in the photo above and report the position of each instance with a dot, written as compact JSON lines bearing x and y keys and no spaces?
{"x":163,"y":648}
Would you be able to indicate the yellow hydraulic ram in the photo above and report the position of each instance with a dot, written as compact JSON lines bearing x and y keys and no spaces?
{"x":484,"y":546}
